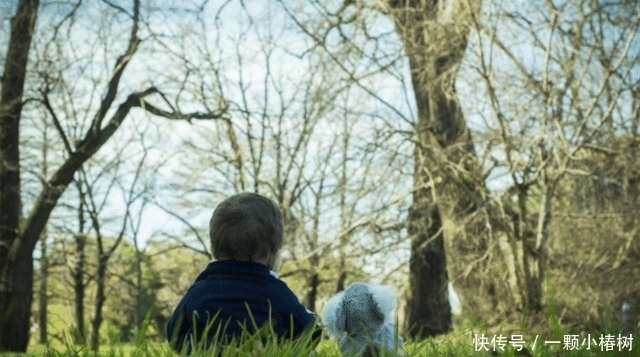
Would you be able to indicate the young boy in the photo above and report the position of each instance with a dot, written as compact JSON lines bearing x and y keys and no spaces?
{"x":240,"y":286}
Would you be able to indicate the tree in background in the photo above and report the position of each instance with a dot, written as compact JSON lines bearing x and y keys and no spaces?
{"x":15,"y":269}
{"x":95,"y":204}
{"x":342,"y":111}
{"x":301,"y":133}
{"x":559,"y":80}
{"x":18,"y":238}
{"x":119,"y":324}
{"x":433,"y":36}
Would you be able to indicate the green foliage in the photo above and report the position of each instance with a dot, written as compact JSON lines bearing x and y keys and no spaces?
{"x":124,"y":298}
{"x":177,"y":268}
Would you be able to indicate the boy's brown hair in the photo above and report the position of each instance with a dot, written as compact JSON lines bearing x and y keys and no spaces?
{"x":246,"y":226}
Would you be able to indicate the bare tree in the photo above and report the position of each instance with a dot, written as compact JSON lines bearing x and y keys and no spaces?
{"x":14,"y":322}
{"x":95,"y":203}
{"x":263,"y":149}
{"x":78,"y":270}
{"x":434,"y":38}
{"x":302,"y":133}
{"x":18,"y":239}
{"x":552,"y":114}
{"x":144,"y":187}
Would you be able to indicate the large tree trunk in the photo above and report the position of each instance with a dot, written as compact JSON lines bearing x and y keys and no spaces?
{"x":15,"y":304}
{"x":434,"y":35}
{"x":427,"y":311}
{"x":16,"y":266}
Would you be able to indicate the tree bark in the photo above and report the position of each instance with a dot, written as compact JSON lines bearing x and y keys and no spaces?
{"x":16,"y":267}
{"x":342,"y":277}
{"x":79,"y":288}
{"x":18,"y":239}
{"x":100,"y":298}
{"x":140,"y":293}
{"x":427,"y":311}
{"x":536,"y":251}
{"x":77,"y":271}
{"x":42,"y":292}
{"x":511,"y":266}
{"x":434,"y":35}
{"x":313,"y":281}
{"x":15,"y":304}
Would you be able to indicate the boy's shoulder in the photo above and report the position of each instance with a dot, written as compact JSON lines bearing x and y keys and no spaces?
{"x":253,"y":278}
{"x":246,"y":276}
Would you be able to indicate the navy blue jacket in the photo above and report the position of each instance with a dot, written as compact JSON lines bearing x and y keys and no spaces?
{"x":226,"y":288}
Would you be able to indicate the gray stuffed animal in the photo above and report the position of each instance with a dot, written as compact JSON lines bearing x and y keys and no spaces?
{"x":360,"y":316}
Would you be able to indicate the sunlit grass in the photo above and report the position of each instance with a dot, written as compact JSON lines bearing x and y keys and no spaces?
{"x":463,"y":341}
{"x":453,"y":344}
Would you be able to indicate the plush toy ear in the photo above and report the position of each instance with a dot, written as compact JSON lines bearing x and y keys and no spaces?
{"x":384,"y":298}
{"x":333,"y":317}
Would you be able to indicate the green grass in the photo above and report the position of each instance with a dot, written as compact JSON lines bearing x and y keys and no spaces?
{"x":453,"y":344}
{"x":469,"y":339}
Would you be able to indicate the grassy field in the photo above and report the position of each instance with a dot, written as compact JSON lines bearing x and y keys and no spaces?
{"x":454,"y":344}
{"x":470,"y":338}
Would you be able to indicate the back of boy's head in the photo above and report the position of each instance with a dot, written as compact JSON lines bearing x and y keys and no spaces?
{"x":246,"y":227}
